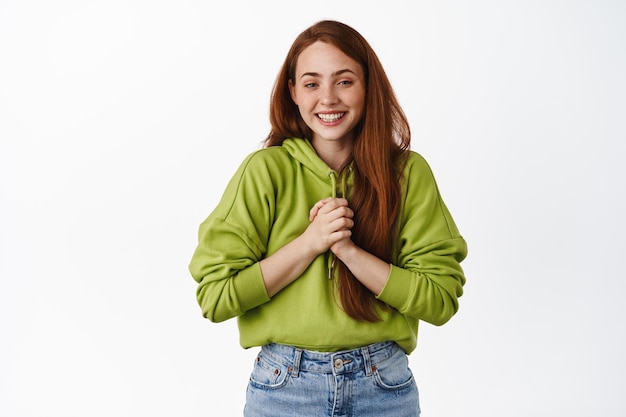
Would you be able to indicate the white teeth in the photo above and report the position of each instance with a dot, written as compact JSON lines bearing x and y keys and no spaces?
{"x":329,"y":118}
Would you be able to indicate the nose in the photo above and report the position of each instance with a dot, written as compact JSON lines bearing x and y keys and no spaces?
{"x":329,"y":96}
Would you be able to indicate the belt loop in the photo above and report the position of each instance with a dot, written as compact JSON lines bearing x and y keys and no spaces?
{"x":366,"y":358}
{"x":297,"y":357}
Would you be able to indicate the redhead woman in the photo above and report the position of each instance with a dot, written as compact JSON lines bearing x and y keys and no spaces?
{"x":332,"y":242}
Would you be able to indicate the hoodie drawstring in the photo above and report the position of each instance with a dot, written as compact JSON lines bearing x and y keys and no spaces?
{"x":330,"y":257}
{"x":333,"y":182}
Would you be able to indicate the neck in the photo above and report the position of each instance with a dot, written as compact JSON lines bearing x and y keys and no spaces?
{"x":334,"y":154}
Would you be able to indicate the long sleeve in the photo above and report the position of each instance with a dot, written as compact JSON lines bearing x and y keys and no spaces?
{"x":231,"y":242}
{"x":426,"y":279}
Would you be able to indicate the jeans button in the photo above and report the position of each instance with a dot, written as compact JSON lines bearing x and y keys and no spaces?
{"x":338,"y":363}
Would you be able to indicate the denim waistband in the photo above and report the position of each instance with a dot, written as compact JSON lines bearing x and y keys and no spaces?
{"x":301,"y":360}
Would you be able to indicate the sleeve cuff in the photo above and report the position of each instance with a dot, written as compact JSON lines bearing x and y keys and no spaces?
{"x":250,"y":288}
{"x":395,"y":290}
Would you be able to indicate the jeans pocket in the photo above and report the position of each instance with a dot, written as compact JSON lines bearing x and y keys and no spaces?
{"x":268,"y":374}
{"x":394,"y":373}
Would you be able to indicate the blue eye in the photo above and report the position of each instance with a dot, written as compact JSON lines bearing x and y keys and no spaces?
{"x":310,"y":85}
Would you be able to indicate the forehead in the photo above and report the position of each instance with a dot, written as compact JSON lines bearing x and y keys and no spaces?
{"x":324,"y":58}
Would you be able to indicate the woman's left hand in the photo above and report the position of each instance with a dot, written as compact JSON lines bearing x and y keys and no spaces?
{"x":337,"y":247}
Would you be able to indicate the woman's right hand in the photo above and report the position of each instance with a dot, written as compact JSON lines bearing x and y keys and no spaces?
{"x":331,"y":221}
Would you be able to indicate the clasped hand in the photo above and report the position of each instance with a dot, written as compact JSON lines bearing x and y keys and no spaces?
{"x":331,"y":224}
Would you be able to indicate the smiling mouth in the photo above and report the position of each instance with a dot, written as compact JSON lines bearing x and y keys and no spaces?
{"x":330,"y":117}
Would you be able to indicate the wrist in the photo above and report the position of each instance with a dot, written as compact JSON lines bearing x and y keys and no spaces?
{"x":307,"y":247}
{"x":345,"y":250}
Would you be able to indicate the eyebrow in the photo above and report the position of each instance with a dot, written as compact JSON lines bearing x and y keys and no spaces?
{"x":316,"y":74}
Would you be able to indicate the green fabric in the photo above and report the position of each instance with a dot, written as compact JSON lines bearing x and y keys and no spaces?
{"x":266,"y":205}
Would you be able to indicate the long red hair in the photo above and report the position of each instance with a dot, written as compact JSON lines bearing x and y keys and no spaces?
{"x":382,"y":137}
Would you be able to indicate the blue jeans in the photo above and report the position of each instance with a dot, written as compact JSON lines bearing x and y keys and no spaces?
{"x":373,"y":380}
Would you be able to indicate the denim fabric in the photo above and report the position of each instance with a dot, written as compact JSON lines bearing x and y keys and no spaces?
{"x":371,"y":381}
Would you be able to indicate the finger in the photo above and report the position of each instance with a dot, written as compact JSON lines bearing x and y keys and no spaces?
{"x":339,"y":236}
{"x":341,"y":211}
{"x":331,"y":204}
{"x":341,"y":223}
{"x":314,"y":210}
{"x":317,"y":206}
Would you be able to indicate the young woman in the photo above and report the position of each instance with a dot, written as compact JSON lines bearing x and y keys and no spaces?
{"x":331,"y":243}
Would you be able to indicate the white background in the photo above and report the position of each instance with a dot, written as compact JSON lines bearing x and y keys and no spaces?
{"x":122,"y":120}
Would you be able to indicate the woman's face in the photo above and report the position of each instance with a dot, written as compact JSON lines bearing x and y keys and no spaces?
{"x":329,"y":90}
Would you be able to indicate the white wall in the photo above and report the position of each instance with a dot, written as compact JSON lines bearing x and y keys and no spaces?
{"x":121,"y":121}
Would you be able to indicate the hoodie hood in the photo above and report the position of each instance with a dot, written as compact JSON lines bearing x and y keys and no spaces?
{"x":302,"y":151}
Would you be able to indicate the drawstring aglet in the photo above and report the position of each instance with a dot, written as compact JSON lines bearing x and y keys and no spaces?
{"x":331,"y":265}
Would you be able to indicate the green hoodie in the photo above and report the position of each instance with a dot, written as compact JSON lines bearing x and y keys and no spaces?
{"x":266,"y":205}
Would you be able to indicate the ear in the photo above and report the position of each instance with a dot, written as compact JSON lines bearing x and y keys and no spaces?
{"x":292,"y":91}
